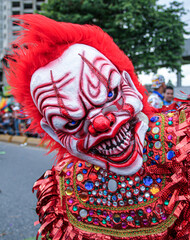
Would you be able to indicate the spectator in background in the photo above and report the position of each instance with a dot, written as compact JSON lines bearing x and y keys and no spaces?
{"x":158,"y":86}
{"x":168,"y":95}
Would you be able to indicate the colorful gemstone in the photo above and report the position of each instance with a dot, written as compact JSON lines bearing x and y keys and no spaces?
{"x":75,"y":208}
{"x":158,"y":123}
{"x":149,"y":129}
{"x":96,"y":221}
{"x":145,"y":221}
{"x":145,"y":143}
{"x":121,"y":203}
{"x":94,"y":192}
{"x":156,"y":130}
{"x":91,"y":199}
{"x":83,"y":196}
{"x":69,"y":191}
{"x":136,"y":191}
{"x":140,"y":212}
{"x":170,"y":137}
{"x":157,"y":145}
{"x":78,"y":188}
{"x":129,"y":219}
{"x":147,"y":195}
{"x":150,"y":137}
{"x":151,"y":153}
{"x":69,"y":165}
{"x":123,"y":215}
{"x":140,"y":199}
{"x":154,"y":220}
{"x":83,"y":213}
{"x":158,"y":180}
{"x":96,"y":168}
{"x":128,"y":194}
{"x":145,"y":158}
{"x":115,"y":204}
{"x":170,"y":123}
{"x":170,"y":118}
{"x":116,"y":218}
{"x":80,"y":177}
{"x":137,"y":222}
{"x":130,"y":182}
{"x":89,"y":219}
{"x":71,"y":200}
{"x":157,"y":157}
{"x":89,"y":185}
{"x":166,"y":202}
{"x":147,"y":181}
{"x":124,"y":225}
{"x":170,"y":145}
{"x":154,"y":119}
{"x":154,"y":189}
{"x":91,"y":212}
{"x":87,"y":164}
{"x":163,"y":216}
{"x":112,"y":185}
{"x":151,"y":145}
{"x":79,"y":218}
{"x":104,"y":221}
{"x":170,"y":155}
{"x":68,"y":181}
{"x":149,"y":209}
{"x":156,"y":136}
{"x":68,"y":173}
{"x":142,"y":188}
{"x":130,"y":201}
{"x":97,"y":183}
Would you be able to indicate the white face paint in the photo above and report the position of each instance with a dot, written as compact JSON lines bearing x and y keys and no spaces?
{"x":91,"y":109}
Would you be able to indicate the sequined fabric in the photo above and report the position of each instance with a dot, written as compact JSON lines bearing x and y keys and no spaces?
{"x":94,"y":203}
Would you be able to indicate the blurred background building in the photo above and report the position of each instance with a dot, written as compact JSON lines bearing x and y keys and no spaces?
{"x":8,"y":28}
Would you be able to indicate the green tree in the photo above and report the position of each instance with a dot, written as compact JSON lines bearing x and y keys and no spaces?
{"x":152,"y":35}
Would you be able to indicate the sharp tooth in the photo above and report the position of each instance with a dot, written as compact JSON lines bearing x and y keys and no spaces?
{"x":114,"y":142}
{"x":122,"y":132}
{"x":120,"y":149}
{"x":103,"y":145}
{"x":123,"y":146}
{"x":117,"y":139}
{"x":120,"y":136}
{"x":108,"y":143}
{"x":126,"y":142}
{"x":116,"y":151}
{"x":106,"y":152}
{"x":110,"y":151}
{"x":99,"y":148}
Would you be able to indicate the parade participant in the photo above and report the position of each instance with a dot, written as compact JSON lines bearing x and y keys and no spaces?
{"x":158,"y":85}
{"x":122,"y":171}
{"x":168,"y":95}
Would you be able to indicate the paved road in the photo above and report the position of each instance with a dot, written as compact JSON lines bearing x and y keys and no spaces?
{"x":20,"y":167}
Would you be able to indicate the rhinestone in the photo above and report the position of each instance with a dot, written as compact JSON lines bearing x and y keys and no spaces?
{"x":101,"y":171}
{"x":100,"y":193}
{"x":122,"y":178}
{"x":166,"y":202}
{"x":83,"y":213}
{"x":130,"y":201}
{"x":112,"y":185}
{"x":163,"y":216}
{"x":154,"y":119}
{"x":170,"y":137}
{"x":94,"y":192}
{"x":99,"y":212}
{"x":114,"y":198}
{"x":150,"y":137}
{"x":151,"y":145}
{"x":142,"y":188}
{"x":69,"y":165}
{"x":156,"y":136}
{"x":129,"y":219}
{"x":123,"y":224}
{"x":104,"y":221}
{"x":157,"y":145}
{"x":147,"y":181}
{"x":140,"y":212}
{"x":97,"y":183}
{"x":75,"y":208}
{"x":79,"y":218}
{"x":128,"y":194}
{"x":109,"y":203}
{"x":99,"y":177}
{"x":91,"y":212}
{"x":116,"y":218}
{"x":137,"y":222}
{"x":158,"y":123}
{"x":121,"y":203}
{"x":170,"y":155}
{"x":136,"y":191}
{"x":83,"y":196}
{"x":105,"y":192}
{"x":123,"y":215}
{"x":104,"y":186}
{"x":84,"y":171}
{"x":80,"y":165}
{"x":99,"y":200}
{"x":104,"y":201}
{"x":80,"y":177}
{"x":159,"y":209}
{"x":154,"y":220}
{"x":89,"y":219}
{"x":130,"y":182}
{"x":148,"y":209}
{"x":115,"y":204}
{"x":105,"y":213}
{"x":147,"y":195}
{"x":145,"y":221}
{"x":123,"y":184}
{"x":88,"y":164}
{"x":151,"y":153}
{"x":109,"y":197}
{"x":105,"y":174}
{"x":154,"y":189}
{"x":170,"y":144}
{"x":108,"y":218}
{"x":71,"y":200}
{"x":132,"y":213}
{"x":91,"y":200}
{"x":96,"y":168}
{"x":158,"y":180}
{"x":119,"y":196}
{"x":140,"y":199}
{"x":122,"y":190}
{"x":69,"y":191}
{"x":145,"y":143}
{"x":170,"y":123}
{"x":157,"y":157}
{"x":68,"y":181}
{"x":137,"y":179}
{"x":89,"y":185}
{"x":170,"y":114}
{"x":156,"y":130}
{"x":96,"y":221}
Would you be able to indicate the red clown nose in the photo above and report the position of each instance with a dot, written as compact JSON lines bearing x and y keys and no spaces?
{"x":101,"y":123}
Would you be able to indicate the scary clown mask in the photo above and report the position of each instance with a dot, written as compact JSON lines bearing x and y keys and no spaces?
{"x":91,"y":109}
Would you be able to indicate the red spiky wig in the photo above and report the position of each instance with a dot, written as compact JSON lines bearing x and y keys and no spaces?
{"x":43,"y":40}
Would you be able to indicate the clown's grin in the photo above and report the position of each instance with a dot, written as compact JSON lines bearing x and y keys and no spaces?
{"x":117,"y":149}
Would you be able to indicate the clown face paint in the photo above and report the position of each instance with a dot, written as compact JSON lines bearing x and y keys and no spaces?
{"x":91,"y":109}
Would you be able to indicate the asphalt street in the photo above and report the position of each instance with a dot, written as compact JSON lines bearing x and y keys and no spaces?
{"x":20,"y":167}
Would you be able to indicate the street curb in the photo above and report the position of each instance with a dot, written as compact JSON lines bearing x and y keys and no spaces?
{"x":22,"y":140}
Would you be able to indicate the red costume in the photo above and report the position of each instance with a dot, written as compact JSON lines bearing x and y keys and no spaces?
{"x":122,"y":171}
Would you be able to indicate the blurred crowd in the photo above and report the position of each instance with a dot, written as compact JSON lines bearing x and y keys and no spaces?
{"x":12,"y":119}
{"x":14,"y":122}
